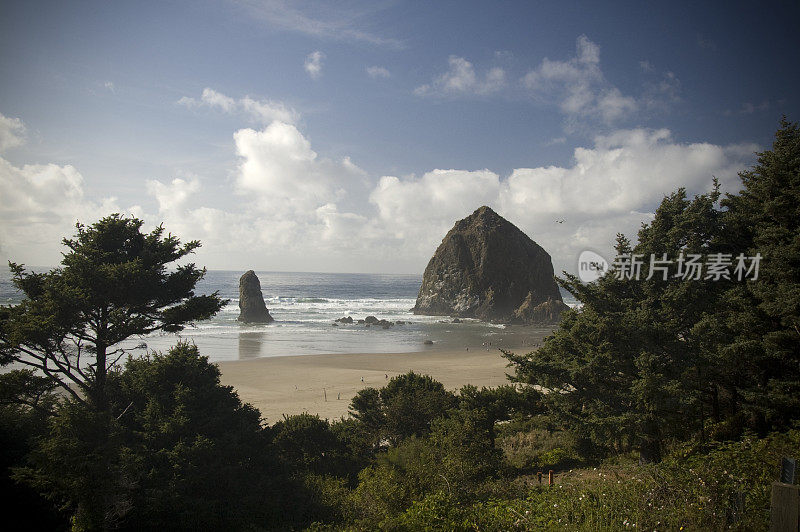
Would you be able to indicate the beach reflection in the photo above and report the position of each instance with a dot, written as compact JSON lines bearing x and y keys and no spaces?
{"x":250,"y":344}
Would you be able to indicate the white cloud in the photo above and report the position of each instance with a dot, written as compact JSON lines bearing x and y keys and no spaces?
{"x":436,"y":200}
{"x":611,"y":187}
{"x":377,"y":72}
{"x":41,"y":203}
{"x":578,"y":86}
{"x":110,"y":86}
{"x":12,"y":132}
{"x":329,"y":21}
{"x":173,"y":196}
{"x":313,"y":64}
{"x":261,"y":111}
{"x":295,"y":209}
{"x":279,"y":167}
{"x":288,"y":211}
{"x":461,"y":79}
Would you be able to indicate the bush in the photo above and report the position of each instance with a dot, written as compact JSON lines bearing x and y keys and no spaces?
{"x":693,"y":489}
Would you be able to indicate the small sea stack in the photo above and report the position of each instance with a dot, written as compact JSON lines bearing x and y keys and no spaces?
{"x":487,"y":268}
{"x":252,"y":308}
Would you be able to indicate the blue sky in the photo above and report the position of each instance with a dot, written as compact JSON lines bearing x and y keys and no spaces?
{"x":349,"y":136}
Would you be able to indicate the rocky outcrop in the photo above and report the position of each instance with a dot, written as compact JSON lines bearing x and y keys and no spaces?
{"x":487,"y":268}
{"x":546,"y":313}
{"x":251,"y":302}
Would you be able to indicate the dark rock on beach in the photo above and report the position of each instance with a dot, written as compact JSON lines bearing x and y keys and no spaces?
{"x":547,"y":313}
{"x":252,"y":308}
{"x":487,"y":268}
{"x":348,"y":319}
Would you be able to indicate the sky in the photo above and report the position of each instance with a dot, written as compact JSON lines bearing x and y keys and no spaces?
{"x":350,"y":136}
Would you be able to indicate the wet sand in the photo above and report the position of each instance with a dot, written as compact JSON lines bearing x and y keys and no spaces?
{"x":325,"y":384}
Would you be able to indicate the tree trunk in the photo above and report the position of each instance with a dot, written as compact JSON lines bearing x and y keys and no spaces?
{"x":650,"y":445}
{"x":100,"y":398}
{"x":715,"y":412}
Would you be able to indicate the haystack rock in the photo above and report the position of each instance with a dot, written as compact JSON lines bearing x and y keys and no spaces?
{"x":487,"y":268}
{"x":252,"y":308}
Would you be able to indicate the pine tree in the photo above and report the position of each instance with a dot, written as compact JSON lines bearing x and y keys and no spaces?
{"x":113,"y":284}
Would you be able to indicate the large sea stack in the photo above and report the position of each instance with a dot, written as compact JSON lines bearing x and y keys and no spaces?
{"x":252,"y":308}
{"x":487,"y":268}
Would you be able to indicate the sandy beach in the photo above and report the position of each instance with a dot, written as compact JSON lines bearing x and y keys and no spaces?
{"x":325,"y":384}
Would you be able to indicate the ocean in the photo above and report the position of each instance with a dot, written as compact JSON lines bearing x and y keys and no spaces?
{"x":305,"y":305}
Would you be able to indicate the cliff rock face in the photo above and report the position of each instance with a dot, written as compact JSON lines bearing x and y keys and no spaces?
{"x":487,"y":268}
{"x":547,"y":313}
{"x":251,"y":302}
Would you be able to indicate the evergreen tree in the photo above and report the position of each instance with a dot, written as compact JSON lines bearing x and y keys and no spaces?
{"x":626,"y":371}
{"x":759,"y":327}
{"x":656,"y":358}
{"x":113,"y":283}
{"x":405,"y":407}
{"x":178,"y":450}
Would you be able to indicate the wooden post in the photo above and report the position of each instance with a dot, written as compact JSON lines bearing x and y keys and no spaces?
{"x":550,"y":478}
{"x":784,"y":510}
{"x":325,"y":394}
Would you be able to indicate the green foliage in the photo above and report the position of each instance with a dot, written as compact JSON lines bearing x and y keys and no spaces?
{"x":175,"y":447}
{"x":456,"y":458}
{"x":307,"y":444}
{"x":649,"y":361}
{"x":758,"y":328}
{"x":26,"y":403}
{"x":533,"y":449}
{"x":405,"y":407}
{"x":113,"y":283}
{"x":690,"y":490}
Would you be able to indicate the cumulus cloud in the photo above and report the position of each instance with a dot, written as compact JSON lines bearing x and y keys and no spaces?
{"x":289,"y":209}
{"x":438,"y":198}
{"x":378,"y":72}
{"x":610,"y":187}
{"x":12,"y":132}
{"x":280,"y":170}
{"x":172,"y":196}
{"x":41,"y":203}
{"x":461,"y":79}
{"x":577,"y":85}
{"x":261,"y":111}
{"x":313,"y":64}
{"x":297,"y":209}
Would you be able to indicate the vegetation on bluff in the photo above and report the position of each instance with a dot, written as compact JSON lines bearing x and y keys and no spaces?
{"x":668,"y":404}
